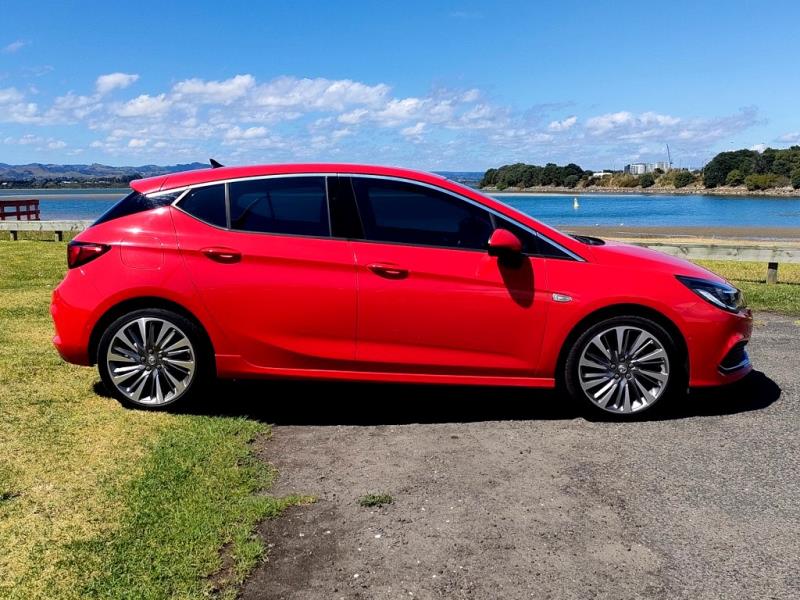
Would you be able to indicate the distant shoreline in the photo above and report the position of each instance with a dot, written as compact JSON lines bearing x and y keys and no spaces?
{"x":652,"y":191}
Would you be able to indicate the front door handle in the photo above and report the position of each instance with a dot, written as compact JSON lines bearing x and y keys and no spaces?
{"x":388,"y":270}
{"x":222,"y":255}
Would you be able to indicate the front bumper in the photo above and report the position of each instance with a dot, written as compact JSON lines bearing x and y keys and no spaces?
{"x":717,"y":348}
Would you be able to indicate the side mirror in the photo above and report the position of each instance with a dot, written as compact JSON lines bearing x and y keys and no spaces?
{"x":504,"y":244}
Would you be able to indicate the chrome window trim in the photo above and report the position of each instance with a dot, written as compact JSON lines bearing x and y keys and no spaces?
{"x":497,"y":213}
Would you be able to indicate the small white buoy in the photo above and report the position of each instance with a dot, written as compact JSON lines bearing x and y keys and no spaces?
{"x":575,"y":203}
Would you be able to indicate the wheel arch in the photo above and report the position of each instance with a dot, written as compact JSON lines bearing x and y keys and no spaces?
{"x":142,"y":302}
{"x":620,"y":310}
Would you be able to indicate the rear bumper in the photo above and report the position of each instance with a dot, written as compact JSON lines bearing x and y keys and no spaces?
{"x":717,"y":348}
{"x":72,"y":325}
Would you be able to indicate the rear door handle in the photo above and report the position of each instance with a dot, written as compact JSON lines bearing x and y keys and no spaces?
{"x":222,"y":255}
{"x":388,"y":270}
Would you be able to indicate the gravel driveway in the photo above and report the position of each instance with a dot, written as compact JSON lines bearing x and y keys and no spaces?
{"x":503,"y":493}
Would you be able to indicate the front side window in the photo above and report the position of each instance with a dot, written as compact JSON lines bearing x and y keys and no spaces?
{"x":286,"y":205}
{"x":400,"y":212}
{"x":206,"y":203}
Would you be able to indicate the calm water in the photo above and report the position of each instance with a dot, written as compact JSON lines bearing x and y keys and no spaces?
{"x":659,"y":210}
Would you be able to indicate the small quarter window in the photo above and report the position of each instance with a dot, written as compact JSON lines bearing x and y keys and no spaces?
{"x":287,"y":205}
{"x":135,"y":203}
{"x":207,"y":204}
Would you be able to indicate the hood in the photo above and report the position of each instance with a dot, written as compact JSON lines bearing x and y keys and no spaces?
{"x":627,"y":255}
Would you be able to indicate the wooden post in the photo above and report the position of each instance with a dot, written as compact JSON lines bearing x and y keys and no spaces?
{"x":772,"y":273}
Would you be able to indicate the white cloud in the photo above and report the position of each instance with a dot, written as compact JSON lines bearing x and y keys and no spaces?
{"x":413,"y":131}
{"x":563,"y":125}
{"x":319,"y":93}
{"x":144,"y":106}
{"x":293,"y":118}
{"x":114,"y":81}
{"x":790,"y":138}
{"x":354,"y":116}
{"x":15,"y":46}
{"x":57,"y":144}
{"x":759,"y":147}
{"x":215,"y":92}
{"x":9,"y":95}
{"x":237,"y":133}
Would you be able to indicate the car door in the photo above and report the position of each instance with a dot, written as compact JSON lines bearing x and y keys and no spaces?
{"x":264,"y":263}
{"x":430,"y":298}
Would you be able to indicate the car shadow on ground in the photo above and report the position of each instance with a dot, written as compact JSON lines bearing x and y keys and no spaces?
{"x":346,"y":403}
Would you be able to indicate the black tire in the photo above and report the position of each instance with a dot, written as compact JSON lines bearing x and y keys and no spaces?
{"x":155,"y":318}
{"x":675,"y":386}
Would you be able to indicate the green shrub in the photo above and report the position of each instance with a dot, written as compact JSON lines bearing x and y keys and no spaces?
{"x":647,"y":180}
{"x":762,"y":181}
{"x":796,"y":179}
{"x":734,"y":178}
{"x":682,"y":179}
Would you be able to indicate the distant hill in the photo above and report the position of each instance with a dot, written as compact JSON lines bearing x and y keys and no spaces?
{"x":51,"y":175}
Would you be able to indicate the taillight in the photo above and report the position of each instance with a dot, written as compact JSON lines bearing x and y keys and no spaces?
{"x":80,"y":253}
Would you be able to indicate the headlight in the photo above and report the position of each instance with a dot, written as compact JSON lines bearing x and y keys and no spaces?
{"x":722,"y":295}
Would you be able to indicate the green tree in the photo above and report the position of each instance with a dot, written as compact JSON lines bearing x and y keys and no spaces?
{"x":734,"y":178}
{"x":647,"y":180}
{"x":716,"y":171}
{"x":571,"y":181}
{"x":682,"y":179}
{"x":796,"y":179}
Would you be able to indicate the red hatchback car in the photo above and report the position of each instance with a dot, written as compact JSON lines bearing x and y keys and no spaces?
{"x":335,"y":271}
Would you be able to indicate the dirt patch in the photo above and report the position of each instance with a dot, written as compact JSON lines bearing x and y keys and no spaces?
{"x":507,"y":494}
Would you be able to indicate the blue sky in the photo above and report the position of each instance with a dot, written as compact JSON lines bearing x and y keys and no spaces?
{"x":432,"y":85}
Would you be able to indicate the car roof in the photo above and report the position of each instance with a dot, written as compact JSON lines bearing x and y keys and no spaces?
{"x":200,"y":176}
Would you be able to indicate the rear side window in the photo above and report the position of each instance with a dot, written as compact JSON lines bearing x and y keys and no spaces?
{"x":207,"y":204}
{"x":286,"y":205}
{"x":135,"y":203}
{"x":396,"y":211}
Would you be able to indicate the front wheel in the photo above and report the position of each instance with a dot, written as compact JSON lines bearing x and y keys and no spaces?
{"x":624,"y":366}
{"x":152,"y":358}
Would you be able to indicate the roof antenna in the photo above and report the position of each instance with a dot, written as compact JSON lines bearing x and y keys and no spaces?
{"x":215,"y":164}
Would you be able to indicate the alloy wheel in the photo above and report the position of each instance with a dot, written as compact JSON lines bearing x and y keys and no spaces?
{"x":151,"y":361}
{"x":624,"y":369}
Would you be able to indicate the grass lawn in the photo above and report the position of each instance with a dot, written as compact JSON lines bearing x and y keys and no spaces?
{"x":100,"y":501}
{"x":783,"y":297}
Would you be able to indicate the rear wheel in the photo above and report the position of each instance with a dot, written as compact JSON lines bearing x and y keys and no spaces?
{"x":153,"y":358}
{"x":624,"y":366}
